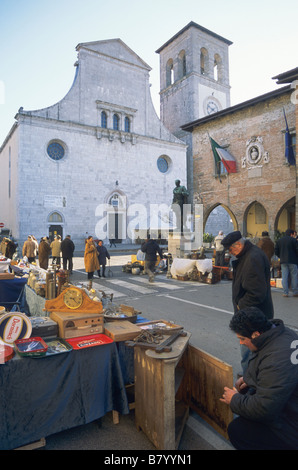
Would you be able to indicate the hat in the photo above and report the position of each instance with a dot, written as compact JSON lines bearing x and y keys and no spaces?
{"x":231,"y":238}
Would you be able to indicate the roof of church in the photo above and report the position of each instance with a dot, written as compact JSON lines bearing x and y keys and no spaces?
{"x":195,"y":25}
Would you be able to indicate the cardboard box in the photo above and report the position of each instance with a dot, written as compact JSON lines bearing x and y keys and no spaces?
{"x":121,"y":330}
{"x":278,"y":282}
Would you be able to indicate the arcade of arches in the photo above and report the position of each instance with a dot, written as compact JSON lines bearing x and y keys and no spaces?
{"x":254,"y":220}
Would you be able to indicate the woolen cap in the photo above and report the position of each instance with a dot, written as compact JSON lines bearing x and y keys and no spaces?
{"x":231,"y":238}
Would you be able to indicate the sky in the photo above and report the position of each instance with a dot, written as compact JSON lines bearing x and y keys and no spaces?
{"x":38,"y":40}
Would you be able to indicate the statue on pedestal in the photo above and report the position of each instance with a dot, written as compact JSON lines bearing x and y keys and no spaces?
{"x":180,"y":195}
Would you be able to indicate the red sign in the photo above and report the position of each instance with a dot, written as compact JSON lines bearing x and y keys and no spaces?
{"x":1,"y":224}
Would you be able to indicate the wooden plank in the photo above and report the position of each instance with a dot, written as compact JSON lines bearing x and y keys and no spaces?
{"x":33,"y":445}
{"x":203,"y":386}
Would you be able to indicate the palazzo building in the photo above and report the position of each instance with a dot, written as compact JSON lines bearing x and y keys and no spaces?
{"x":239,"y":161}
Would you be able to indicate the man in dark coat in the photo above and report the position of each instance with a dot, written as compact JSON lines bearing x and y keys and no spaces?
{"x":67,"y":250}
{"x":267,"y":245}
{"x":251,"y":278}
{"x":151,"y":248}
{"x":266,"y":397}
{"x":103,"y":255}
{"x":286,"y":248}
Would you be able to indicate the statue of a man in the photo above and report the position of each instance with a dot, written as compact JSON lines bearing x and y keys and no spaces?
{"x":180,"y":195}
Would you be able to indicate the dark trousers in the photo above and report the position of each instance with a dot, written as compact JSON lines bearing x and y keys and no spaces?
{"x":103,"y":268}
{"x":220,"y":258}
{"x":69,"y":261}
{"x":250,"y":435}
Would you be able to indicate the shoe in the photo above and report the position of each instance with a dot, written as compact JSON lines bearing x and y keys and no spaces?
{"x":103,"y":276}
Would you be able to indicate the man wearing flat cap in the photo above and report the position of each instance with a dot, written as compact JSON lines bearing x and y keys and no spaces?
{"x":251,"y":278}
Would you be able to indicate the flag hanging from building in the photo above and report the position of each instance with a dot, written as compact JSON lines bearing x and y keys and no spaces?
{"x":222,"y":155}
{"x":289,"y":151}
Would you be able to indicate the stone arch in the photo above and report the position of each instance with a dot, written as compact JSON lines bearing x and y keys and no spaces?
{"x":116,"y":208}
{"x":218,"y":68}
{"x":169,"y":72}
{"x":255,"y":220}
{"x":207,"y":213}
{"x":204,"y":61}
{"x":285,"y":217}
{"x":181,"y":64}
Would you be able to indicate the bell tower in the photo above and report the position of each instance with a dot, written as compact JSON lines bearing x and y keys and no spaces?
{"x":194,"y":82}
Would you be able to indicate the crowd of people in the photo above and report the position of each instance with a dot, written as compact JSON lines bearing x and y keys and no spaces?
{"x":42,"y":251}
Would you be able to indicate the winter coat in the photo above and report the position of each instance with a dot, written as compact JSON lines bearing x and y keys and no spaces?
{"x":67,"y":248}
{"x":272,"y":378}
{"x":29,"y":249}
{"x":217,"y":243}
{"x":56,"y":248}
{"x":90,"y":258}
{"x":10,"y":249}
{"x":251,"y":280}
{"x":102,"y":254}
{"x":150,"y":248}
{"x":44,"y":250}
{"x":267,"y":245}
{"x":286,"y":248}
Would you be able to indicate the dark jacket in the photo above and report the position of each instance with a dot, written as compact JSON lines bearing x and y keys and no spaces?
{"x":102,"y":254}
{"x":286,"y":248}
{"x":267,"y":245}
{"x":67,"y":248}
{"x":272,"y":378}
{"x":251,"y":280}
{"x":150,"y":248}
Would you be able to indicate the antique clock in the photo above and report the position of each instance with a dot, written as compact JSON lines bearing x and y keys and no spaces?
{"x":73,"y":298}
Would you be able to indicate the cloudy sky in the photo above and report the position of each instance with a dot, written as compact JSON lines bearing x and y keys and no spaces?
{"x":38,"y":40}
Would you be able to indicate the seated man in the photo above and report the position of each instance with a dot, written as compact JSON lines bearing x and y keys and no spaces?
{"x":266,"y":397}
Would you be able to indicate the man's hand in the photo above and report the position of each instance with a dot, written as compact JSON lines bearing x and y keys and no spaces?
{"x":240,"y":385}
{"x":228,"y":394}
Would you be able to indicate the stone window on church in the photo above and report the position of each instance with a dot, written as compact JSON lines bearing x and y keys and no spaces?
{"x":217,"y":68}
{"x":204,"y":61}
{"x":104,"y":119}
{"x":181,"y":65}
{"x":163,"y":163}
{"x":55,"y":217}
{"x":127,"y":124}
{"x":170,"y":72}
{"x":116,"y":122}
{"x":56,"y":150}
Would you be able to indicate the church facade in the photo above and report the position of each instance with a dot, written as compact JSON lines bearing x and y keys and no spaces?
{"x":95,"y":163}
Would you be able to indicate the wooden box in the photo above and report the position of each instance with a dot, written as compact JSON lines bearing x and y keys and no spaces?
{"x":121,"y":330}
{"x":73,"y":325}
{"x":6,"y":276}
{"x":161,"y":326}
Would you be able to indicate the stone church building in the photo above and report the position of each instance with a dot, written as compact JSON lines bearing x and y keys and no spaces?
{"x":91,"y":163}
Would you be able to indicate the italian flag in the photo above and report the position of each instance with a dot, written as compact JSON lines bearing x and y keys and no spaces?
{"x":222,"y":155}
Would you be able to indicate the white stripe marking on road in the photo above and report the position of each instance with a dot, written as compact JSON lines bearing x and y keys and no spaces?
{"x":198,"y":305}
{"x":129,"y":285}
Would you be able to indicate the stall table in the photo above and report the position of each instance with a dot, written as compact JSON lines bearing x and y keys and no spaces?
{"x":11,"y":291}
{"x":43,"y":396}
